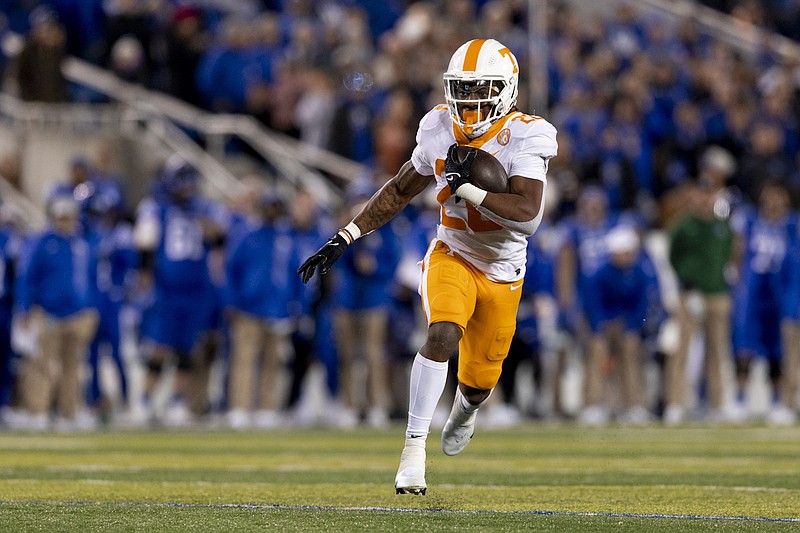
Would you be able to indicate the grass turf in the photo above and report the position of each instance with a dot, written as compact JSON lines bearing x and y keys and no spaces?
{"x":542,"y":478}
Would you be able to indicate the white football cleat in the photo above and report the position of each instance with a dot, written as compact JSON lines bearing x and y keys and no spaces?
{"x":410,"y":477}
{"x":459,"y":428}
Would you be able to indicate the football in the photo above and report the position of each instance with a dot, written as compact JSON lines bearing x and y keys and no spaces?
{"x":486,"y":171}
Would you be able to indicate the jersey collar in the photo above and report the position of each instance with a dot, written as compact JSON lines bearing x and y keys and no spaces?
{"x":477,"y":142}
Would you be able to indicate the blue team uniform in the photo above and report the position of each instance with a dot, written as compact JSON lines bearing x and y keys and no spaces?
{"x":186,"y":302}
{"x":261,"y":273}
{"x":116,"y":261}
{"x":315,"y":325}
{"x":625,"y":294}
{"x":759,"y":296}
{"x":790,"y":281}
{"x":591,"y":251}
{"x":356,"y":291}
{"x":542,"y":257}
{"x":57,"y":273}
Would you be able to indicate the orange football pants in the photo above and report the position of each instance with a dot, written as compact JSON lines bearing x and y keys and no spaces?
{"x":453,"y":290}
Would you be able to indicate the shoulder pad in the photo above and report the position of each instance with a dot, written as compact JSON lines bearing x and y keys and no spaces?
{"x":435,"y":118}
{"x":539,"y":136}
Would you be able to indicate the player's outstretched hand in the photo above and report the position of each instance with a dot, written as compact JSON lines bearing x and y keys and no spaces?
{"x":323,"y":258}
{"x":456,"y":170}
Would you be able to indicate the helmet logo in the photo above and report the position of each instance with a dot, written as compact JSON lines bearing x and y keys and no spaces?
{"x":504,"y":136}
{"x":507,"y":53}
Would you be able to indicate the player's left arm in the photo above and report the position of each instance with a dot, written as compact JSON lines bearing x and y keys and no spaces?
{"x":520,"y":209}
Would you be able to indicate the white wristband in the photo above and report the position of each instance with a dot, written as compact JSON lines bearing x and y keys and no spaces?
{"x":350,"y":232}
{"x":471,"y":193}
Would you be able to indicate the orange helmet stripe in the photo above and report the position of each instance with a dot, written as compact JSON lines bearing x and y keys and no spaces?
{"x":471,"y":57}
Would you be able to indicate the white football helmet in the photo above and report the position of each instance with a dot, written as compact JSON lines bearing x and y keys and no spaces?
{"x":481,"y":84}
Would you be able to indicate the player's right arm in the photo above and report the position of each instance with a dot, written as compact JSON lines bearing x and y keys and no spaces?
{"x":392,"y":198}
{"x":380,"y":209}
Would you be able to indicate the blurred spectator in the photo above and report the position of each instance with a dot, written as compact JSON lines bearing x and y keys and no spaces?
{"x":362,"y":297}
{"x":186,"y":41}
{"x":106,"y":178}
{"x":262,"y":292}
{"x":623,"y":165}
{"x":55,"y":296}
{"x":117,"y":261}
{"x":224,"y":74}
{"x":315,"y":109}
{"x":622,"y":295}
{"x":127,"y":60}
{"x":38,"y":67}
{"x":353,"y":118}
{"x":10,"y":248}
{"x":701,"y":252}
{"x":134,"y":19}
{"x":764,"y":160}
{"x":526,"y":346}
{"x":393,"y":134}
{"x":310,"y":339}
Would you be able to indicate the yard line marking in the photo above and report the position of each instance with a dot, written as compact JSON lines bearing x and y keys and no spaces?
{"x":281,"y":507}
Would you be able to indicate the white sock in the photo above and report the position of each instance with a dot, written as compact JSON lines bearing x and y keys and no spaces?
{"x":428,"y":379}
{"x":469,"y":407}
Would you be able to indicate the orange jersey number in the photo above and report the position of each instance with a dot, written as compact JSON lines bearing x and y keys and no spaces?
{"x":525,"y":119}
{"x":475,"y":220}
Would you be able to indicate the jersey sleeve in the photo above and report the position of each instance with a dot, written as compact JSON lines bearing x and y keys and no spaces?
{"x":538,"y":147}
{"x":427,"y":127}
{"x":147,"y":230}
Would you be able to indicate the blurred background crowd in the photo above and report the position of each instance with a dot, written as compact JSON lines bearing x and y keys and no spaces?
{"x":667,"y":268}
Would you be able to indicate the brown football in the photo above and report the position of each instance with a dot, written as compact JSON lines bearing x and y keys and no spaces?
{"x":486,"y":171}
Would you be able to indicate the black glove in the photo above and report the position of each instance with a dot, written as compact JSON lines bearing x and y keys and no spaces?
{"x":457,"y":172}
{"x":323,"y":258}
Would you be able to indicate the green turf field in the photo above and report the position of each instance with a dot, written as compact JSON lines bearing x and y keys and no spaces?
{"x":539,"y":478}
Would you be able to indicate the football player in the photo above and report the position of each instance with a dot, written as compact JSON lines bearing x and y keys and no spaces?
{"x":176,"y":230}
{"x":473,"y":270}
{"x":765,"y":235}
{"x":112,"y":237}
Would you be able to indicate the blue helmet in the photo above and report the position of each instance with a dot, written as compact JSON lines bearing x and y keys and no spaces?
{"x":103,"y":201}
{"x":178,"y":178}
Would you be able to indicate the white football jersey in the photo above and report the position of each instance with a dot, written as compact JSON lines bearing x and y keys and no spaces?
{"x":523,"y":144}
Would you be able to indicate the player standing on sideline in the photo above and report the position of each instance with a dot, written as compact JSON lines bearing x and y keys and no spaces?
{"x":175,"y":232}
{"x":473,"y":269}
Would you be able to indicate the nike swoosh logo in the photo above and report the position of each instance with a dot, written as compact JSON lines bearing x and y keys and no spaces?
{"x":515,"y":287}
{"x":494,"y":153}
